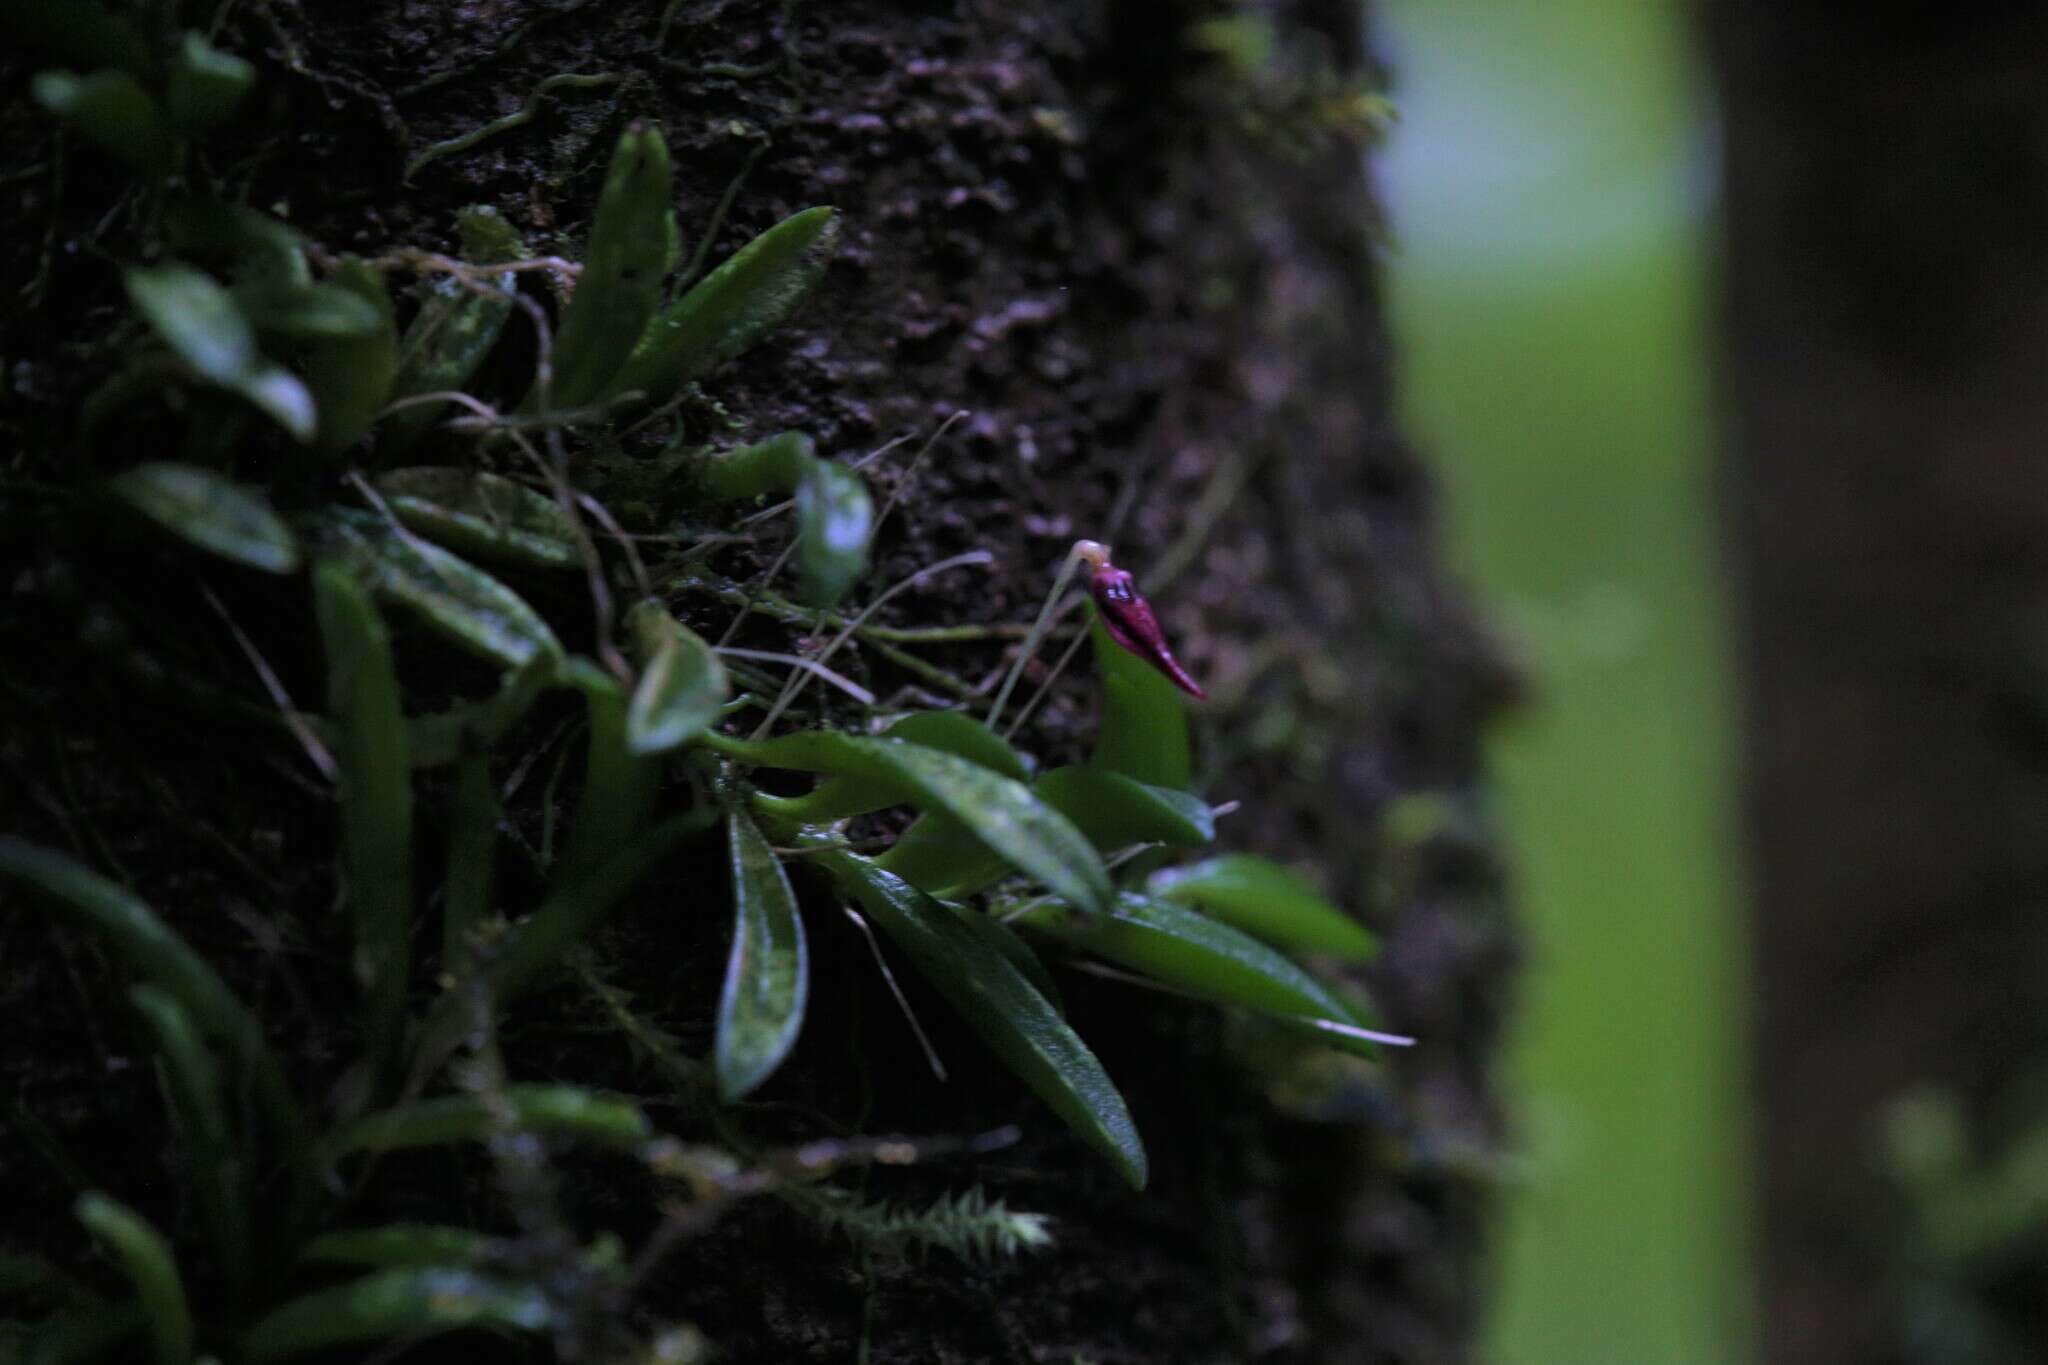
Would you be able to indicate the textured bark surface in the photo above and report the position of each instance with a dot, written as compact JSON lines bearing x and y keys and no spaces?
{"x":1886,"y":311}
{"x":1151,"y":283}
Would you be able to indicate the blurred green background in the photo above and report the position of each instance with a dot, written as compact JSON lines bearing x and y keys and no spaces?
{"x":1550,"y":184}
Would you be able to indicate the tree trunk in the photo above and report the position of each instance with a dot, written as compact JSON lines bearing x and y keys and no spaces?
{"x":1139,"y":253}
{"x":1886,"y":315}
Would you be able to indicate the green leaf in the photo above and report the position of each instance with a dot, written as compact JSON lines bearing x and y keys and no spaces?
{"x":113,"y":110}
{"x":834,"y":517}
{"x":768,"y":974}
{"x":1190,"y":951}
{"x":159,"y":954}
{"x":212,"y":512}
{"x":1144,"y":731}
{"x":350,"y":377}
{"x":213,"y":1162}
{"x":481,"y":514}
{"x":397,"y":1244}
{"x":473,"y":1118}
{"x":307,"y":312}
{"x":1012,"y":946}
{"x":1116,"y":811}
{"x":454,"y":331}
{"x":620,"y":286}
{"x":199,"y":321}
{"x":618,"y":784}
{"x":145,"y":1257}
{"x":1000,"y":811}
{"x":682,"y":683}
{"x":206,"y":84}
{"x":938,"y":854}
{"x":1001,"y":1005}
{"x":776,"y":465}
{"x":376,"y":805}
{"x":956,"y":732}
{"x":461,"y":601}
{"x":408,"y":1302}
{"x":1261,"y":897}
{"x":733,"y":307}
{"x":953,"y":732}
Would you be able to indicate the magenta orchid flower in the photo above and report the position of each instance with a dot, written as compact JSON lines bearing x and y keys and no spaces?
{"x":1128,"y":617}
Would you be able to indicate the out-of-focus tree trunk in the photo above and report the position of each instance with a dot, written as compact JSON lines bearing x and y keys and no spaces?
{"x":1885,"y":343}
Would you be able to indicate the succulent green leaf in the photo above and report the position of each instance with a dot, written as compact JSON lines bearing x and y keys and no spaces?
{"x":212,"y":512}
{"x":446,"y":1119}
{"x":244,"y":242}
{"x":733,"y":307}
{"x":482,"y":514}
{"x":999,"y":1002}
{"x":1000,"y":811}
{"x":835,"y":516}
{"x":112,"y":110}
{"x":954,"y":732}
{"x":456,"y":598}
{"x":682,"y":683}
{"x":1263,"y":898}
{"x":1012,"y":946}
{"x":1115,"y":811}
{"x":214,"y":1163}
{"x":455,"y":329}
{"x":307,"y":312}
{"x":618,"y":784}
{"x":158,"y":954}
{"x":206,"y":84}
{"x":376,"y":803}
{"x":776,"y":465}
{"x":146,"y":1258}
{"x":406,"y":1302}
{"x":1190,"y":951}
{"x":938,"y":854}
{"x":1144,"y":731}
{"x":768,"y":973}
{"x":397,"y":1244}
{"x":199,"y":321}
{"x":620,"y":287}
{"x":350,"y":377}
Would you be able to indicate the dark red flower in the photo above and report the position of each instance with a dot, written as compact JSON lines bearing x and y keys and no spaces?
{"x":1128,"y":617}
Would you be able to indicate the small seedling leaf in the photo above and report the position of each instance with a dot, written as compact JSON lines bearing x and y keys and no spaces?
{"x":201,"y":324}
{"x":620,"y":286}
{"x":206,"y":85}
{"x":768,"y":973}
{"x":776,"y":465}
{"x":733,"y":307}
{"x":397,"y":1244}
{"x":999,"y":1002}
{"x":407,"y":1302}
{"x":111,"y":109}
{"x":682,"y":683}
{"x":456,"y":598}
{"x":376,"y":803}
{"x":146,"y":1258}
{"x":1115,"y":811}
{"x":350,"y":377}
{"x":834,"y":516}
{"x":212,"y":512}
{"x":1263,"y":898}
{"x":454,"y":330}
{"x":1000,"y":811}
{"x":482,"y":514}
{"x":307,"y":312}
{"x":448,"y":1119}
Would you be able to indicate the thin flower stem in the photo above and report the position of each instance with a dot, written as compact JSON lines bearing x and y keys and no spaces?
{"x":1038,"y":631}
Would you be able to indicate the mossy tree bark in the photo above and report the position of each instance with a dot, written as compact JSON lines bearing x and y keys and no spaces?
{"x":1147,"y":273}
